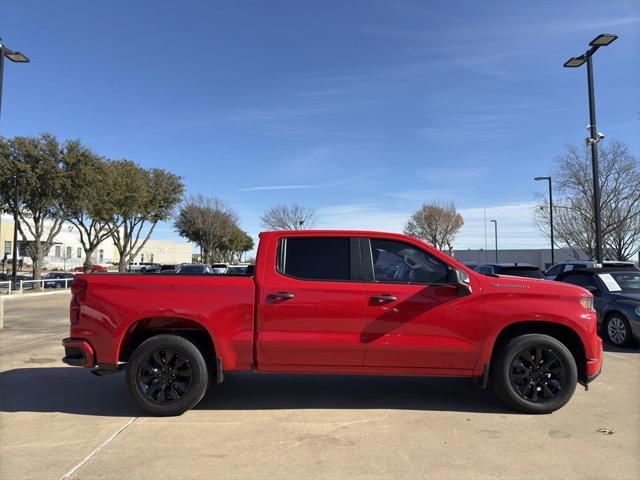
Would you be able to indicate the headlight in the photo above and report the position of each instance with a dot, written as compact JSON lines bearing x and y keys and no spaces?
{"x":586,"y":302}
{"x":637,"y":310}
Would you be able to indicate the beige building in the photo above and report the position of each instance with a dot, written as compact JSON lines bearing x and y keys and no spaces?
{"x":6,"y":235}
{"x":67,"y":253}
{"x":165,"y":251}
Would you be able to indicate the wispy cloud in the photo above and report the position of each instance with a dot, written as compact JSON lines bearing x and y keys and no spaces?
{"x":515,"y":227}
{"x":278,"y":187}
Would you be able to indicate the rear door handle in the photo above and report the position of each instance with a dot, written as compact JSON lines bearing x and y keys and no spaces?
{"x":281,"y":296}
{"x":384,"y":298}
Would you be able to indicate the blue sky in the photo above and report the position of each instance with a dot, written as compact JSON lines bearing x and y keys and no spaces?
{"x":362,"y":110}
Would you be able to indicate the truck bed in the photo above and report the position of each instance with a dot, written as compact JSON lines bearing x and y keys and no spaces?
{"x":120,"y":304}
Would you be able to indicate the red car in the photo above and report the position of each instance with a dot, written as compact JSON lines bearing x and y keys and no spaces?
{"x":336,"y":302}
{"x":94,"y":269}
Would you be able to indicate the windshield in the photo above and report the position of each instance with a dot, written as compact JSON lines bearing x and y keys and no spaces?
{"x":621,"y":281}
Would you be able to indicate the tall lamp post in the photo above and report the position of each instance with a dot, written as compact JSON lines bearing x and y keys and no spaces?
{"x":601,"y":40}
{"x":495,"y":225}
{"x":16,"y":57}
{"x":553,"y":260}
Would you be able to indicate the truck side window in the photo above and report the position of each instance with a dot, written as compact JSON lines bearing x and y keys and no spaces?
{"x":316,"y":258}
{"x":399,"y":262}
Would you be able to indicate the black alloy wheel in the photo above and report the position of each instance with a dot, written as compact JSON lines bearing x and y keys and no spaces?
{"x":164,"y":376}
{"x":167,"y":375}
{"x":534,"y":373}
{"x":537,"y":374}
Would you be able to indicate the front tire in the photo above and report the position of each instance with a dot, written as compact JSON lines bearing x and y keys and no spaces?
{"x":618,"y":331}
{"x":535,"y":373}
{"x":167,"y":375}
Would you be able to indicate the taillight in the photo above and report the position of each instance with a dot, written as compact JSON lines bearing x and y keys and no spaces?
{"x":78,"y":295}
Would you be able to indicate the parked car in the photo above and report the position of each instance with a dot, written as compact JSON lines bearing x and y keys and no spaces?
{"x":559,"y":268}
{"x":143,"y":267}
{"x":94,"y":268}
{"x":193,"y":269}
{"x":168,"y":268}
{"x":57,"y":280}
{"x":219,"y":268}
{"x":242,"y":269}
{"x":616,"y":295}
{"x":340,"y":302}
{"x":513,"y":269}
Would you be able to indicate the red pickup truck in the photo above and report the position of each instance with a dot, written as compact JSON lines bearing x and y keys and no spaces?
{"x":336,"y":302}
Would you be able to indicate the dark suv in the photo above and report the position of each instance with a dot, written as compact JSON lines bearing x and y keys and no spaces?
{"x":616,"y":295}
{"x":513,"y":269}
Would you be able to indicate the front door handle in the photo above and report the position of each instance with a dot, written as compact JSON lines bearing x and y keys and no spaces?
{"x":281,"y":296}
{"x":384,"y":298}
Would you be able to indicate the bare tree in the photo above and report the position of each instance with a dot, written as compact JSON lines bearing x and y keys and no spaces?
{"x":209,"y":223}
{"x":288,"y":217}
{"x":435,"y":223}
{"x":574,"y":223}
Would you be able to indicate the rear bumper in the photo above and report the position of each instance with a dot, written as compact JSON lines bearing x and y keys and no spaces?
{"x":78,"y":353}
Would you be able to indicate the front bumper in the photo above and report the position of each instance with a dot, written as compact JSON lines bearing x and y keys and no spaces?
{"x":594,"y":364}
{"x":78,"y":353}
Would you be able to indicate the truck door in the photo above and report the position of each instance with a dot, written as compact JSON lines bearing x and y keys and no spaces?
{"x":414,"y":316}
{"x":311,"y":303}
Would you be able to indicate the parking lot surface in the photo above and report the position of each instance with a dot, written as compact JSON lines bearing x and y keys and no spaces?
{"x":62,"y":422}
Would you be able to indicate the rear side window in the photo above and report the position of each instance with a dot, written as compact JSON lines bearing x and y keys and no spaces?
{"x":311,"y":258}
{"x":585,"y":281}
{"x":399,"y":262}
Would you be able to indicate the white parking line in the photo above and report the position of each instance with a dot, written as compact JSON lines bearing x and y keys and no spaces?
{"x":67,"y":475}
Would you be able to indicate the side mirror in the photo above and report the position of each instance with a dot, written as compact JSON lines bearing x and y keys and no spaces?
{"x":460,"y":278}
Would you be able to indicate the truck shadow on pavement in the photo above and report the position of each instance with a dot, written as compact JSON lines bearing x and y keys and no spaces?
{"x":76,"y":391}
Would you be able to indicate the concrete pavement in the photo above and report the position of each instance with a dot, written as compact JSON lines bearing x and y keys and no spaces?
{"x":57,"y":420}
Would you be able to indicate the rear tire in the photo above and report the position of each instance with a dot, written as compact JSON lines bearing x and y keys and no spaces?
{"x":534,"y":373}
{"x":167,"y":375}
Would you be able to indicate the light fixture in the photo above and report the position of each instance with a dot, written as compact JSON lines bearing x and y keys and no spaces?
{"x":575,"y":61}
{"x":603,"y":40}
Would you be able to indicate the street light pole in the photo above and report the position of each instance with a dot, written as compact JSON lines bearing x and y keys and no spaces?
{"x":553,"y":260}
{"x":16,"y":220}
{"x":495,"y":225}
{"x":595,"y":166}
{"x":601,"y":40}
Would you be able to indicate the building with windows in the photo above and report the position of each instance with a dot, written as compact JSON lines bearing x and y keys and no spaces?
{"x":67,"y":252}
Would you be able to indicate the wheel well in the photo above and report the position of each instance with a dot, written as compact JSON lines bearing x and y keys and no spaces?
{"x":562,"y":333}
{"x":149,"y":327}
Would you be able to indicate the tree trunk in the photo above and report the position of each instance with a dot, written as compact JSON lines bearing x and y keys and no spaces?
{"x":122,"y":263}
{"x":88,"y":261}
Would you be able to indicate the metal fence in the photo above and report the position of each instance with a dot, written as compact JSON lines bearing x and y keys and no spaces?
{"x":7,"y":287}
{"x":55,"y":282}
